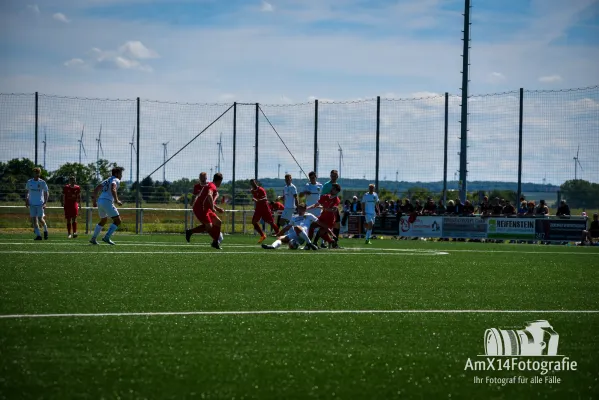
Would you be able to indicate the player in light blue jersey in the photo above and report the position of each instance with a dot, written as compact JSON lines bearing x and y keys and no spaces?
{"x":37,"y":197}
{"x":105,"y":203}
{"x":370,"y":205}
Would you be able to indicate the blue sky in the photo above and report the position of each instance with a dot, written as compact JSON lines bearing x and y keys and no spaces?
{"x":292,"y":51}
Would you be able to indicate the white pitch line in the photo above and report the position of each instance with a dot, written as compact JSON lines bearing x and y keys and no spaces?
{"x":261,"y":252}
{"x":275,"y":312}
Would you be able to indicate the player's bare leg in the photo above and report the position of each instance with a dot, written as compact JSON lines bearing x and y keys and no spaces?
{"x":258,"y":228}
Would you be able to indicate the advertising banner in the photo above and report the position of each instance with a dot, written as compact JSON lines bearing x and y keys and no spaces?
{"x":560,"y":229}
{"x":428,"y":227}
{"x":511,"y":228}
{"x":464,"y":227}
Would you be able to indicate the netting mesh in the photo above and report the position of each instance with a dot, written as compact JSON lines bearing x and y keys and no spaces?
{"x":17,"y":126}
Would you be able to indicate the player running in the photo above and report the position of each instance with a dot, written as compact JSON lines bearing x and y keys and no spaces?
{"x":105,"y":203}
{"x":36,"y":200}
{"x":370,"y":203}
{"x":262,"y":210}
{"x":205,"y":208}
{"x":326,"y":221}
{"x":70,"y":201}
{"x":294,"y":233}
{"x":313,"y":191}
{"x":289,"y":199}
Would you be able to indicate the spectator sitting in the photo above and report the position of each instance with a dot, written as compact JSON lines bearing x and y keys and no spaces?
{"x":563,"y":210}
{"x":530,"y":212}
{"x":468,"y":208}
{"x":522,"y":209}
{"x":509,"y":209}
{"x":418,"y":207}
{"x":542,"y":209}
{"x":497,"y":207}
{"x":593,"y":232}
{"x":408,"y":207}
{"x":346,"y":212}
{"x":441,"y":208}
{"x":429,"y":207}
{"x":356,"y":206}
{"x":484,"y":208}
{"x":458,"y":206}
{"x":450,"y":207}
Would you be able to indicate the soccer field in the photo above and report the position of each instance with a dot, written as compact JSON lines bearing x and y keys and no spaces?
{"x":155,"y":317}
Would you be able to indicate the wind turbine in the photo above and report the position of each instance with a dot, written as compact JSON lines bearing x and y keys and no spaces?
{"x":220,"y":152}
{"x":81,"y":147}
{"x":340,"y":158}
{"x":577,"y":164}
{"x":44,"y":142}
{"x":164,"y":161}
{"x":132,"y":145}
{"x":279,"y":172}
{"x":99,"y":148}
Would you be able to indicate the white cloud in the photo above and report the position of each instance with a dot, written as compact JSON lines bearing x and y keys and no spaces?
{"x":266,"y":7}
{"x":136,"y":49}
{"x":550,"y":78}
{"x":34,"y":8}
{"x":74,"y":62}
{"x":61,"y":18}
{"x":496,"y":77}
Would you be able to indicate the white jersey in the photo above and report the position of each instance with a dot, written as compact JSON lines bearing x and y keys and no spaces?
{"x":315,"y":192}
{"x":370,"y":200}
{"x":288,"y":193}
{"x":36,"y":190}
{"x":302,"y":221}
{"x":107,"y":188}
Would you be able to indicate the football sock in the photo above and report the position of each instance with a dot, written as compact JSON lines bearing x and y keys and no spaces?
{"x":97,"y":231}
{"x":336,"y":232}
{"x":69,"y":227}
{"x":215,"y":232}
{"x":199,"y":229}
{"x":220,"y":238}
{"x":46,"y":228}
{"x":111,"y":230}
{"x":258,"y":229}
{"x":303,"y":235}
{"x":368,"y":233}
{"x":275,"y":227}
{"x":37,"y":231}
{"x":276,"y":244}
{"x":75,"y":227}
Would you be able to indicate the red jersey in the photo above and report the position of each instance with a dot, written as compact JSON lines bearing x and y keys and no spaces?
{"x":276,"y":206}
{"x":71,"y":194}
{"x":328,"y":201}
{"x":202,"y":194}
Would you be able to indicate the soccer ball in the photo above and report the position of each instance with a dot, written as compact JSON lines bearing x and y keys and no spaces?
{"x":293,"y":245}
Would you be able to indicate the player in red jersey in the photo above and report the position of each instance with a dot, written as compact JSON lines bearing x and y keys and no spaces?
{"x":326,"y":221}
{"x":70,"y":201}
{"x":262,"y":210}
{"x":204,"y":208}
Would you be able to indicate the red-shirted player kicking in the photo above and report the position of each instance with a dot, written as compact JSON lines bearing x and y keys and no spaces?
{"x":262,"y":211}
{"x":326,"y":221}
{"x":204,"y":208}
{"x":70,"y":200}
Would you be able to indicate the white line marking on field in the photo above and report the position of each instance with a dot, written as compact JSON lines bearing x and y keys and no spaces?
{"x":274,"y":312}
{"x":261,"y":253}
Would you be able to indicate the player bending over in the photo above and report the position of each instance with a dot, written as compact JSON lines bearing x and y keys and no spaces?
{"x":262,"y":211}
{"x":205,"y":208}
{"x":71,"y":200}
{"x":105,"y":203}
{"x":294,"y":233}
{"x":326,"y":221}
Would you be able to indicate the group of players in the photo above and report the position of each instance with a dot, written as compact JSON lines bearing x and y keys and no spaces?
{"x":303,"y":222}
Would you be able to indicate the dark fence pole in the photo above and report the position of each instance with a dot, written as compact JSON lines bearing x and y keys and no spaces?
{"x":445,"y":148}
{"x":256,"y":152}
{"x":36,"y":125}
{"x":137,"y":192}
{"x":464,"y":118}
{"x":378,"y":134}
{"x":233,"y":178}
{"x":520,"y":121}
{"x":316,"y":136}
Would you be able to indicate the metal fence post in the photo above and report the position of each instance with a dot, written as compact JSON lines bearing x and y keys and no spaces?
{"x":316,"y":136}
{"x":464,"y":118}
{"x":378,"y":135}
{"x":256,"y":148}
{"x":87,"y":210}
{"x":520,"y":121}
{"x":185,"y":212}
{"x":36,"y":123}
{"x":233,"y":178}
{"x":137,"y":199}
{"x":445,"y":148}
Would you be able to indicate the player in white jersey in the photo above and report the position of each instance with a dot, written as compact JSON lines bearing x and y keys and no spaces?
{"x":105,"y":203}
{"x":289,"y":199}
{"x":37,"y":197}
{"x":312,"y":191}
{"x":295,"y":232}
{"x":370,"y":206}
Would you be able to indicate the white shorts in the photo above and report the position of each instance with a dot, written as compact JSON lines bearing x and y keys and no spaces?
{"x":314,"y":211}
{"x":36,"y":211}
{"x":106,"y":208}
{"x":287,"y":213}
{"x":369,"y":218}
{"x":292,"y":235}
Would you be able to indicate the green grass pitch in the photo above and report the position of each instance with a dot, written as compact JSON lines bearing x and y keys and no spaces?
{"x":410,"y":346}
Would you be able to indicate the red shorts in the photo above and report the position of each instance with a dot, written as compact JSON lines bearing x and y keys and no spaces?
{"x":71,"y":211}
{"x":204,"y":216}
{"x":328,"y":220}
{"x":264,"y":214}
